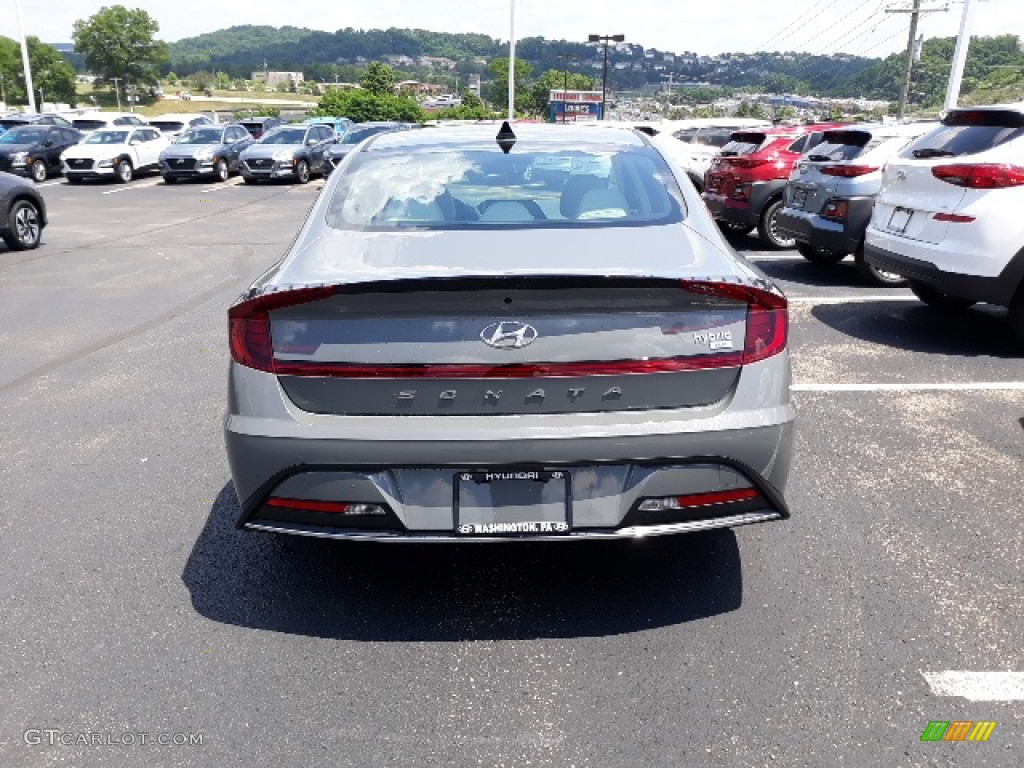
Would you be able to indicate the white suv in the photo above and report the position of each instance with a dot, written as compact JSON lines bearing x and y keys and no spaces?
{"x":949,"y":214}
{"x":118,"y":153}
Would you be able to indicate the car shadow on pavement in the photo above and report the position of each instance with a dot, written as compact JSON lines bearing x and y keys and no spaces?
{"x":841,"y":275}
{"x":410,"y":592}
{"x":981,"y":331}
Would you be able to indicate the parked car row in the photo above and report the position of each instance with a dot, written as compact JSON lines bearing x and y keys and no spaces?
{"x":121,"y":145}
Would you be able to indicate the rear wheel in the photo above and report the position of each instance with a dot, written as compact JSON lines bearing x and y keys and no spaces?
{"x":221,"y":171}
{"x":875,"y":276}
{"x":302,"y":172}
{"x":1017,"y":313}
{"x":768,"y":227}
{"x":38,"y":170}
{"x":938,"y":300}
{"x":824,"y":257}
{"x":24,"y":226}
{"x":125,"y":172}
{"x":735,"y":227}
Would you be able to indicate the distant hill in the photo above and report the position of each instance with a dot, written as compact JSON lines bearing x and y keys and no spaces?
{"x":995,"y":69}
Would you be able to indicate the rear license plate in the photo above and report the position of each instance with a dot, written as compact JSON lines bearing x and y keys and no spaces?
{"x":799,"y":198}
{"x":899,"y":220}
{"x":512,"y":502}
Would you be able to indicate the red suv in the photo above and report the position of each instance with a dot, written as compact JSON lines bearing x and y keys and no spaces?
{"x":744,"y":185}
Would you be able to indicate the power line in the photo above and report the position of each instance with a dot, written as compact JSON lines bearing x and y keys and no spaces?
{"x":791,"y":25}
{"x":838,"y":22}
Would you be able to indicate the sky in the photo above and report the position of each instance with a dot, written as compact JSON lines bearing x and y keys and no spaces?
{"x":816,"y":26}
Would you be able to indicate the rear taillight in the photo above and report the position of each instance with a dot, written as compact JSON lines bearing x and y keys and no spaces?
{"x":848,"y":171}
{"x":836,"y":210}
{"x":747,"y":162}
{"x":741,"y":191}
{"x":695,"y":500}
{"x":767,"y":317}
{"x":330,"y":507}
{"x":980,"y":175}
{"x":953,"y":218}
{"x":249,"y":325}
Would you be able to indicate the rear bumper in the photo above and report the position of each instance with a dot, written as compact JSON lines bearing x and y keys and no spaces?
{"x":748,"y":211}
{"x":409,"y":465}
{"x":842,"y":236}
{"x":994,"y":290}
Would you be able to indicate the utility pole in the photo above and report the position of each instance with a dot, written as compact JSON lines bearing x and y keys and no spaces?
{"x":117,"y":91}
{"x":963,"y":42}
{"x":915,"y":12}
{"x":567,"y":57}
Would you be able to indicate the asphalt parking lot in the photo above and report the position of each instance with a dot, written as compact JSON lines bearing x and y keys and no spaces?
{"x":132,"y":605}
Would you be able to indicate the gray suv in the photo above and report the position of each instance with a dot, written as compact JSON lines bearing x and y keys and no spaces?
{"x":831,"y":192}
{"x":208,"y":151}
{"x":292,"y":152}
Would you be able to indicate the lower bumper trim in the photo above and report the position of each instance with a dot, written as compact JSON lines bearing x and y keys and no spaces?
{"x":590,"y":534}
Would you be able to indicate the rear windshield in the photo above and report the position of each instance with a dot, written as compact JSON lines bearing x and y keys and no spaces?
{"x":485,"y":188}
{"x":5,"y":124}
{"x":713,"y":137}
{"x":355,"y":135}
{"x":167,"y":127}
{"x":88,"y":125}
{"x":968,"y":132}
{"x":838,"y":146}
{"x":743,"y":144}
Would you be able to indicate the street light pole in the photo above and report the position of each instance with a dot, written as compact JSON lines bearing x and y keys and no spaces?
{"x":512,"y":60}
{"x":24,"y":60}
{"x":604,"y":72}
{"x":566,"y":57}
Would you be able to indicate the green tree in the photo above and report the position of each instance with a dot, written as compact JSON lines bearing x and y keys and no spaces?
{"x":362,"y":106}
{"x":118,"y":42}
{"x":51,"y":73}
{"x":496,"y":92}
{"x":379,"y":79}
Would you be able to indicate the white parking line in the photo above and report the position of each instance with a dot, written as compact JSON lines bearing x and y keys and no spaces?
{"x":858,"y":299}
{"x":977,"y":686}
{"x":136,"y":185}
{"x":50,"y":183}
{"x":225,"y":185}
{"x":970,"y":386}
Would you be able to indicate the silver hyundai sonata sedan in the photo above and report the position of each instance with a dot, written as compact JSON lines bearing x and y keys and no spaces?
{"x":453,"y":351}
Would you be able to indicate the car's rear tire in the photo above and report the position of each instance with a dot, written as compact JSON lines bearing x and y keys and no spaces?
{"x":38,"y":171}
{"x":935,"y":299}
{"x":302,"y":172}
{"x":768,"y":227}
{"x":735,"y":227}
{"x":24,"y":226}
{"x":124,"y":171}
{"x":221,"y":170}
{"x":875,"y":276}
{"x":1017,"y":313}
{"x":823,"y":257}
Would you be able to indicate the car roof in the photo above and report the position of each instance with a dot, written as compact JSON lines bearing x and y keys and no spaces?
{"x":178,"y":117}
{"x":559,"y":136}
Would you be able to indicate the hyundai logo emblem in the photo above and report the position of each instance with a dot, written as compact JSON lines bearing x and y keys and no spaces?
{"x":508,"y":334}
